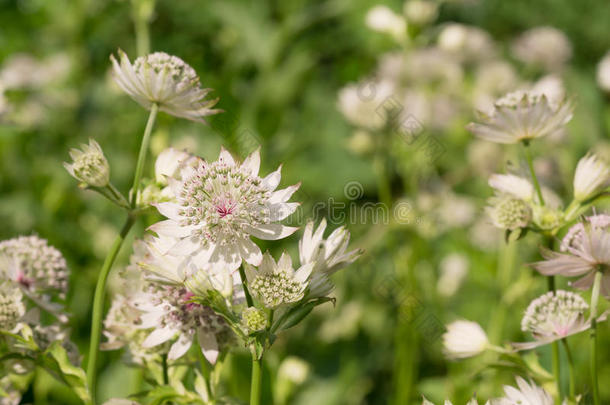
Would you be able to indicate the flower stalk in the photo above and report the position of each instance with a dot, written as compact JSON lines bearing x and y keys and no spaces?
{"x":530,"y":165}
{"x":594,"y":302}
{"x":142,"y":154}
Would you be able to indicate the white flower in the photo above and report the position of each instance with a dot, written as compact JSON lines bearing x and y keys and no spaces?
{"x":464,"y":339}
{"x":521,"y":116}
{"x":171,"y":317}
{"x":253,"y":320}
{"x":466,"y":42}
{"x":327,"y":255}
{"x":513,"y":185}
{"x":507,"y":212}
{"x":603,"y":73}
{"x":362,"y":103}
{"x":38,"y":267}
{"x":420,"y":12}
{"x":526,"y":394}
{"x":169,"y":165}
{"x":473,"y":401}
{"x":553,"y":316}
{"x":454,"y":269}
{"x":89,"y":165}
{"x":383,"y":19}
{"x":220,"y":205}
{"x":12,"y":308}
{"x":543,"y":46}
{"x":277,"y":284}
{"x":592,"y":175}
{"x":587,"y":247}
{"x":165,"y":80}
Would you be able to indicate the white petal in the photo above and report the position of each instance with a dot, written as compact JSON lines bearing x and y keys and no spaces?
{"x":252,"y":163}
{"x":180,"y":347}
{"x":158,"y":336}
{"x":271,"y":231}
{"x":209,"y":346}
{"x":226,"y":157}
{"x":250,"y":252}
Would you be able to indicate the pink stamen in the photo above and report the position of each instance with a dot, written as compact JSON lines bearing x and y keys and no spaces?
{"x":225,"y":209}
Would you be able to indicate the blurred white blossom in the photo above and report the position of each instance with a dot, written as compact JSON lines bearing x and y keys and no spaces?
{"x":464,"y":339}
{"x":546,"y":47}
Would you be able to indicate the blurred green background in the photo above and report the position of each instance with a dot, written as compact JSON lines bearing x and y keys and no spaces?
{"x":278,"y":68}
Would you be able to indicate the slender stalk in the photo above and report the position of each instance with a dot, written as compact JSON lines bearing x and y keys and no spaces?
{"x":242,"y":274}
{"x":594,"y":301}
{"x":98,"y":306}
{"x":142,"y":154}
{"x":256,"y":381}
{"x":530,"y":164}
{"x":142,"y":36}
{"x":571,"y":368}
{"x":555,"y":361}
{"x":165,"y":369}
{"x":205,"y":371}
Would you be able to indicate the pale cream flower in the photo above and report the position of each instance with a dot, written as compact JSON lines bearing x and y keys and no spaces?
{"x":603,"y":73}
{"x":383,"y":19}
{"x":526,"y":394}
{"x":466,"y":42}
{"x":547,"y":47}
{"x":473,"y":401}
{"x":219,"y":206}
{"x":512,"y":185}
{"x":453,"y":269}
{"x":362,"y":104}
{"x":420,"y":12}
{"x":591,"y":176}
{"x":165,"y":80}
{"x":89,"y":165}
{"x":12,"y":308}
{"x":464,"y":339}
{"x":521,"y":116}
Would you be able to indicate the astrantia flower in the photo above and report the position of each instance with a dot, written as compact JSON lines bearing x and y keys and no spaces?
{"x":547,"y":47}
{"x":527,"y":394}
{"x":173,"y":318}
{"x":89,"y":165}
{"x":327,"y":255}
{"x":521,"y":116}
{"x":464,"y":339}
{"x":12,"y":308}
{"x":362,"y":104}
{"x":220,"y":205}
{"x":473,"y":401}
{"x":39,"y":267}
{"x":165,"y":80}
{"x":383,"y":19}
{"x":278,"y":284}
{"x":587,"y":249}
{"x":592,"y":175}
{"x":603,"y":73}
{"x":253,"y":319}
{"x":507,"y":212}
{"x":554,"y":316}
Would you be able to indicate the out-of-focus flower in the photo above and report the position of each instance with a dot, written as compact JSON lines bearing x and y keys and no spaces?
{"x":12,"y":308}
{"x":362,"y":103}
{"x":220,"y":205}
{"x":547,"y":47}
{"x":38,"y":267}
{"x":554,"y":316}
{"x":12,"y":396}
{"x":464,"y":339}
{"x":473,"y":401}
{"x":171,"y":317}
{"x":466,"y":42}
{"x":89,"y":165}
{"x":24,"y":71}
{"x":603,"y":73}
{"x":165,"y":80}
{"x":492,"y":79}
{"x":591,"y":176}
{"x":454,"y":269}
{"x":552,"y":87}
{"x":521,"y":116}
{"x":420,"y":12}
{"x":586,"y":247}
{"x":326,"y":255}
{"x":253,"y":320}
{"x":526,"y":394}
{"x":383,"y":19}
{"x":361,"y":143}
{"x":278,"y":284}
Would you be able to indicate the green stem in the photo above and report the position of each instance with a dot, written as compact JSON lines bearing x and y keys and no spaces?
{"x":98,"y":306}
{"x":594,"y":301}
{"x":165,"y":369}
{"x":257,"y":380}
{"x":242,"y":274}
{"x":566,"y":346}
{"x":142,"y":154}
{"x":205,"y":371}
{"x":142,"y":36}
{"x":555,"y":361}
{"x":530,"y":164}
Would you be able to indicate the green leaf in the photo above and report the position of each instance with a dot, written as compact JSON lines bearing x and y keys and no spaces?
{"x":55,"y":360}
{"x":297,"y":314}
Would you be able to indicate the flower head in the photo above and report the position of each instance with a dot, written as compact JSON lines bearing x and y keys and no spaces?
{"x":522,"y":116}
{"x":603,"y":73}
{"x":526,"y":394}
{"x":89,"y":165}
{"x":553,"y":316}
{"x":39,"y":267}
{"x":513,"y":185}
{"x":586,"y":248}
{"x":165,"y":80}
{"x":464,"y":339}
{"x":220,"y":205}
{"x":592,"y":174}
{"x":12,"y":307}
{"x":171,"y":316}
{"x":278,"y":284}
{"x":383,"y":19}
{"x":509,"y":213}
{"x":547,"y":47}
{"x":253,"y":319}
